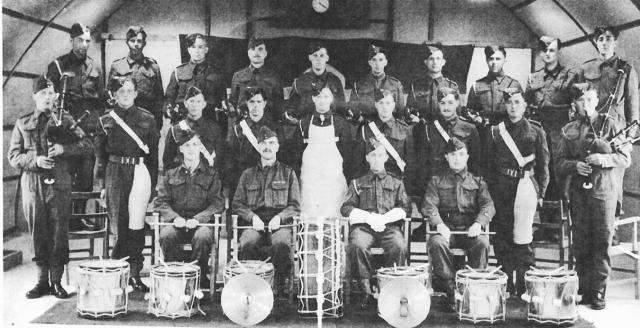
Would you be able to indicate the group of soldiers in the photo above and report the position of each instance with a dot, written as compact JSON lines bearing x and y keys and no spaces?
{"x":316,"y":154}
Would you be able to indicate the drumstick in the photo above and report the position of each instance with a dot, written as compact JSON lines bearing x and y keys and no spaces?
{"x":193,"y":262}
{"x":241,"y":265}
{"x":411,"y":269}
{"x":495,"y":270}
{"x":124,"y":258}
{"x":470,"y":268}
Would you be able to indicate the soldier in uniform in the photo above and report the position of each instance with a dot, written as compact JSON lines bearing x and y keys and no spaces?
{"x":603,"y":74}
{"x":243,"y":150}
{"x":457,"y":200}
{"x":144,"y":70}
{"x":485,"y":97}
{"x":127,"y":155}
{"x":264,"y":77}
{"x":517,"y":172}
{"x":268,"y":195}
{"x":201,"y":74}
{"x":187,"y":196}
{"x":300,"y":104}
{"x":585,"y":156}
{"x":422,"y":101}
{"x":396,"y":134}
{"x":376,"y":206}
{"x":547,"y":93}
{"x":363,"y":102}
{"x":433,"y":137}
{"x":85,"y":88}
{"x":45,"y":203}
{"x":208,"y":132}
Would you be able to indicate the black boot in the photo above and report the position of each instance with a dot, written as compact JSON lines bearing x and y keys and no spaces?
{"x":598,"y":303}
{"x":137,"y":284}
{"x":41,"y":289}
{"x":57,"y":290}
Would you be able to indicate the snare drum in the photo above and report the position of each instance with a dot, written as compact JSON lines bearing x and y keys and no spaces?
{"x":102,"y":288}
{"x":174,"y":290}
{"x":481,"y":295}
{"x":551,"y":295}
{"x":259,"y":268}
{"x":421,"y":273}
{"x":321,"y":259}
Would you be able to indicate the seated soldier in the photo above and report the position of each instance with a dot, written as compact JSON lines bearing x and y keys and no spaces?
{"x":188,"y":195}
{"x":376,"y":204}
{"x":457,"y":200}
{"x":208,"y":130}
{"x":267,"y":193}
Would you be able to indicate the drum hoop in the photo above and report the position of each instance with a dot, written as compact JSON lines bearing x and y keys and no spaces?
{"x":161,"y":269}
{"x":98,"y":314}
{"x":539,"y":319}
{"x":107,"y":265}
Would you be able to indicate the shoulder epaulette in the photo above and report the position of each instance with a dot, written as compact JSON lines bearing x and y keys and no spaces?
{"x":536,"y":123}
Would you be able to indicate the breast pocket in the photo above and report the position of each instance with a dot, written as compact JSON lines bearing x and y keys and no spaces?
{"x":467,"y":197}
{"x":178,"y":191}
{"x":253,"y":194}
{"x":389,"y":198}
{"x":279,"y":193}
{"x":30,"y":138}
{"x":145,"y":80}
{"x":367,"y":197}
{"x":91,"y":84}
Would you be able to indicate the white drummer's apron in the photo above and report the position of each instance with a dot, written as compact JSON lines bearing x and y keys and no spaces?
{"x":323,"y":183}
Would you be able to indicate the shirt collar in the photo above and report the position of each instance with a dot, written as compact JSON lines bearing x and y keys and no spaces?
{"x":380,"y":175}
{"x":460,"y":176}
{"x":611,"y":61}
{"x":498,"y":77}
{"x":142,"y":60}
{"x":554,"y":72}
{"x":263,"y":168}
{"x":200,"y":167}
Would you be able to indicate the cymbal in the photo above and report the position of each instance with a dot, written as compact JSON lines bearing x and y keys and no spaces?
{"x":247,"y":299}
{"x":404,"y":302}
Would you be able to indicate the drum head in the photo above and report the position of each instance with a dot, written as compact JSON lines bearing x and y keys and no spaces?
{"x":255,"y":267}
{"x":404,"y":270}
{"x":110,"y":264}
{"x":556,"y":273}
{"x":404,"y":302}
{"x":174,"y":268}
{"x":247,"y":299}
{"x":481,"y":274}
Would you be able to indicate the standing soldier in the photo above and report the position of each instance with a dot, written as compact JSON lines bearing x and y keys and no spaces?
{"x":208,"y":131}
{"x":45,"y":202}
{"x":585,"y":156}
{"x":456,"y":200}
{"x":84,"y":92}
{"x":300,"y":103}
{"x":547,"y":93}
{"x":605,"y":73}
{"x":243,"y":151}
{"x":127,"y":154}
{"x":423,"y":102}
{"x":395,"y":135}
{"x":518,"y":174}
{"x":363,"y":102}
{"x":144,"y":71}
{"x":433,"y":137}
{"x":376,"y":206}
{"x":257,"y":74}
{"x":267,"y":197}
{"x":201,"y":74}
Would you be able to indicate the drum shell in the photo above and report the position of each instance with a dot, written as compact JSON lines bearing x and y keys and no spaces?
{"x":102,"y":288}
{"x":259,"y":268}
{"x":480,"y":296}
{"x":552,"y":295}
{"x":172,"y":290}
{"x":423,"y":275}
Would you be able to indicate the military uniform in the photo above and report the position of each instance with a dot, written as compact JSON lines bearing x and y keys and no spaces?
{"x":85,"y":91}
{"x":503,"y":174}
{"x":398,"y":133}
{"x":206,"y":78}
{"x":431,"y":146}
{"x":118,"y":155}
{"x":486,"y":96}
{"x":210,"y":134}
{"x":267,"y":192}
{"x":375,"y":193}
{"x":188,"y":195}
{"x":362,"y":100}
{"x":46,"y":207}
{"x":423,"y":95}
{"x":593,"y":211}
{"x":300,"y":103}
{"x":265,"y":78}
{"x":548,"y":93}
{"x":241,"y":155}
{"x":458,"y":200}
{"x":146,"y":74}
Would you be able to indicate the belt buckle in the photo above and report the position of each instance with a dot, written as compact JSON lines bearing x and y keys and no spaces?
{"x":520,"y":172}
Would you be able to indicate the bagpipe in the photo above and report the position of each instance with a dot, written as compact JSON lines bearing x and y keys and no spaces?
{"x":57,"y":132}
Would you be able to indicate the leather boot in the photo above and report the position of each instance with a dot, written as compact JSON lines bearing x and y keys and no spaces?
{"x":40,"y":289}
{"x":367,"y":297}
{"x":57,"y":290}
{"x":598,"y":302}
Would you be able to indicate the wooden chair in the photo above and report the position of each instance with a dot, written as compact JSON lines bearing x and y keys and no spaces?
{"x":234,"y":249}
{"x":558,"y":218}
{"x":630,"y":249}
{"x":156,"y":224}
{"x":101,"y":218}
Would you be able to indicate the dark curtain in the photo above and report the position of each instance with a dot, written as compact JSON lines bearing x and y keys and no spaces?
{"x":288,"y":55}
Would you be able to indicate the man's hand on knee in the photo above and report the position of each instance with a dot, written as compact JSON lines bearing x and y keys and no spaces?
{"x":444,"y":231}
{"x":257,"y":223}
{"x":179,"y":222}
